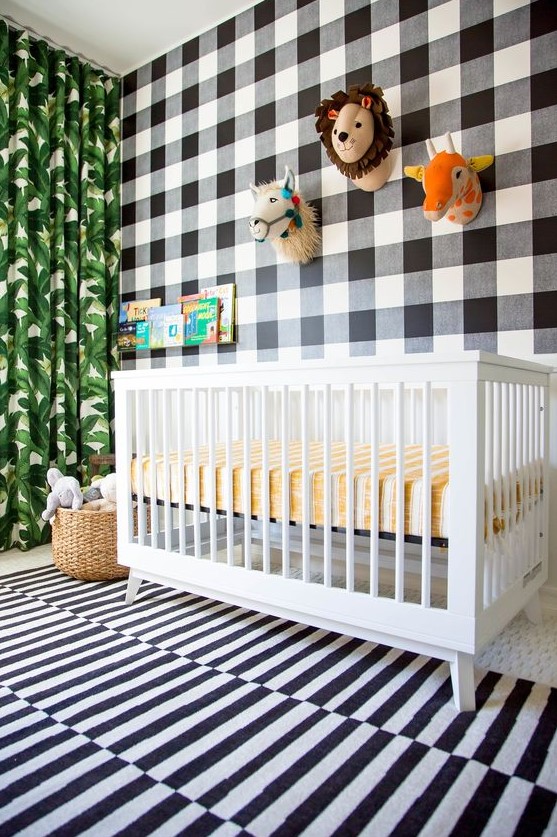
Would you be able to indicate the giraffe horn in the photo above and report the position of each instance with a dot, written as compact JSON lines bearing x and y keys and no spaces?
{"x":430,"y":149}
{"x":450,"y":144}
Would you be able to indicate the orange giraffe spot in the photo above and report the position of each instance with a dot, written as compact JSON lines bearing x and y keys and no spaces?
{"x":471,"y":196}
{"x":468,"y":213}
{"x":451,"y":217}
{"x":458,"y":202}
{"x":479,"y":197}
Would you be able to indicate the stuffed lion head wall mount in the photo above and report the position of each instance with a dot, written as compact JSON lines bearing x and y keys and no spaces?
{"x":357,"y":132}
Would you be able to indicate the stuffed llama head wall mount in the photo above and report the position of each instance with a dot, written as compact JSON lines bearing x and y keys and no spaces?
{"x":281,"y":216}
{"x":357,"y":130}
{"x":451,"y":184}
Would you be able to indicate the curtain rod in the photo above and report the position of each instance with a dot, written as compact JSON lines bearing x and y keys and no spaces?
{"x":56,"y":45}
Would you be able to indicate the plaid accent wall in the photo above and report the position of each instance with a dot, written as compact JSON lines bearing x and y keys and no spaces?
{"x":236,"y":104}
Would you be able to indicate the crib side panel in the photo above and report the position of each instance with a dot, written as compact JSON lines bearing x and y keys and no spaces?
{"x":310,"y":480}
{"x":282,"y":476}
{"x":516,"y":496}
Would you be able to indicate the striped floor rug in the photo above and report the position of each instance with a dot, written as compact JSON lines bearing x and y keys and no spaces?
{"x":182,"y":716}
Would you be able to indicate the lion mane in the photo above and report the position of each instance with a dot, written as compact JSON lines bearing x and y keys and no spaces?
{"x":383,"y":124}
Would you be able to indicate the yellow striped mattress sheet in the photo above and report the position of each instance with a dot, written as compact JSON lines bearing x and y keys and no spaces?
{"x":387,"y":489}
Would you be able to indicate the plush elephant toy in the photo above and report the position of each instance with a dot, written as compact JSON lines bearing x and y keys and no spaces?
{"x":65,"y":493}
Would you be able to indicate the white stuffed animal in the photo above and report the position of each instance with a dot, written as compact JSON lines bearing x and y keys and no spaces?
{"x":107,"y":501}
{"x":65,"y":493}
{"x":108,"y":487}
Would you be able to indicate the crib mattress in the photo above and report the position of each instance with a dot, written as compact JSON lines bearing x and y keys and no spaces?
{"x":413,"y":484}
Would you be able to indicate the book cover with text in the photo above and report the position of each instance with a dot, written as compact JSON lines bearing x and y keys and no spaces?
{"x":138,"y":309}
{"x":157,"y":327}
{"x":201,"y":321}
{"x":227,"y":299}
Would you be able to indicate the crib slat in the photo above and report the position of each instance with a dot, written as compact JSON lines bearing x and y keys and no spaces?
{"x":327,"y":536}
{"x":124,"y":403}
{"x":212,"y":441}
{"x":525,"y":448}
{"x":153,"y":466}
{"x":522,"y":444}
{"x":195,"y":471}
{"x":246,"y":486}
{"x":265,"y":511}
{"x":520,"y":450}
{"x":528,"y":453}
{"x":426,"y":496}
{"x":514,"y":567}
{"x":399,"y":445}
{"x":505,"y":491}
{"x":140,"y":439}
{"x":229,"y":477}
{"x":497,"y":486}
{"x":543,"y":510}
{"x":349,"y":466}
{"x":305,"y":487}
{"x":533,"y":469}
{"x":512,"y":455}
{"x":181,"y":466}
{"x":166,"y":470}
{"x":285,"y":479}
{"x":374,"y":493}
{"x":489,"y":431}
{"x":537,"y":472}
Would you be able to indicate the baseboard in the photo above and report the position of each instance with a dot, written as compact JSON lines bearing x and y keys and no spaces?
{"x":548,"y":599}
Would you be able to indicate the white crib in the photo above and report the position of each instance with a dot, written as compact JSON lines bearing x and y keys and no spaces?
{"x":440,"y":584}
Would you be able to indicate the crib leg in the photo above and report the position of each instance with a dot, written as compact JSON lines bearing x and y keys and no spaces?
{"x":533,"y":610}
{"x":134,"y":584}
{"x":462,"y":678}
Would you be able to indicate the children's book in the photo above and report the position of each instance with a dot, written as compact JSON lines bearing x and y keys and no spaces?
{"x":227,"y":308}
{"x":156,"y":318}
{"x":138,"y":309}
{"x":142,"y":336}
{"x":126,"y":338}
{"x":174,"y":330}
{"x":201,"y":321}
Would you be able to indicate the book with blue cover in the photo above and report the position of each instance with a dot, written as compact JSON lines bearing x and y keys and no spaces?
{"x":159,"y":320}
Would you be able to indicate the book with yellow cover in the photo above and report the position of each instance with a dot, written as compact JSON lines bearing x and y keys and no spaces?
{"x":138,"y":309}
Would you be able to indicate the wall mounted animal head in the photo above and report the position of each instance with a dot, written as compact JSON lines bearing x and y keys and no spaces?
{"x":451,"y":184}
{"x":357,"y":130}
{"x":280,"y":215}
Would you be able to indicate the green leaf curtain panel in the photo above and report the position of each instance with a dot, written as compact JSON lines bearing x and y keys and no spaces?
{"x":59,"y":259}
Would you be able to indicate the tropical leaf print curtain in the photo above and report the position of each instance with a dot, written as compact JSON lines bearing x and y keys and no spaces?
{"x":59,"y":257}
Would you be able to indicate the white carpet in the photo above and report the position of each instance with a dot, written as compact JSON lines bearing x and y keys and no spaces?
{"x":521,"y":650}
{"x":524,"y":650}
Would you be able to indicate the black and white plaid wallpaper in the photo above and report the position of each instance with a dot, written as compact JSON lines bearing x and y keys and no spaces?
{"x":237,"y":103}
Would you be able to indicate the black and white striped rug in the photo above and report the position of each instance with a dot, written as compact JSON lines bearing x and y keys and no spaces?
{"x":181,"y":716}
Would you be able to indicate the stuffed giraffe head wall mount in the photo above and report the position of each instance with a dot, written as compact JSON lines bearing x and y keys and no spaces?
{"x":451,"y":183}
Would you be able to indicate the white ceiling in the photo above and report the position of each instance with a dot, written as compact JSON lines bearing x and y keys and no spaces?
{"x":121,"y":35}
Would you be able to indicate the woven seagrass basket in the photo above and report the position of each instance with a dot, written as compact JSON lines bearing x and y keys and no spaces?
{"x":84,"y":544}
